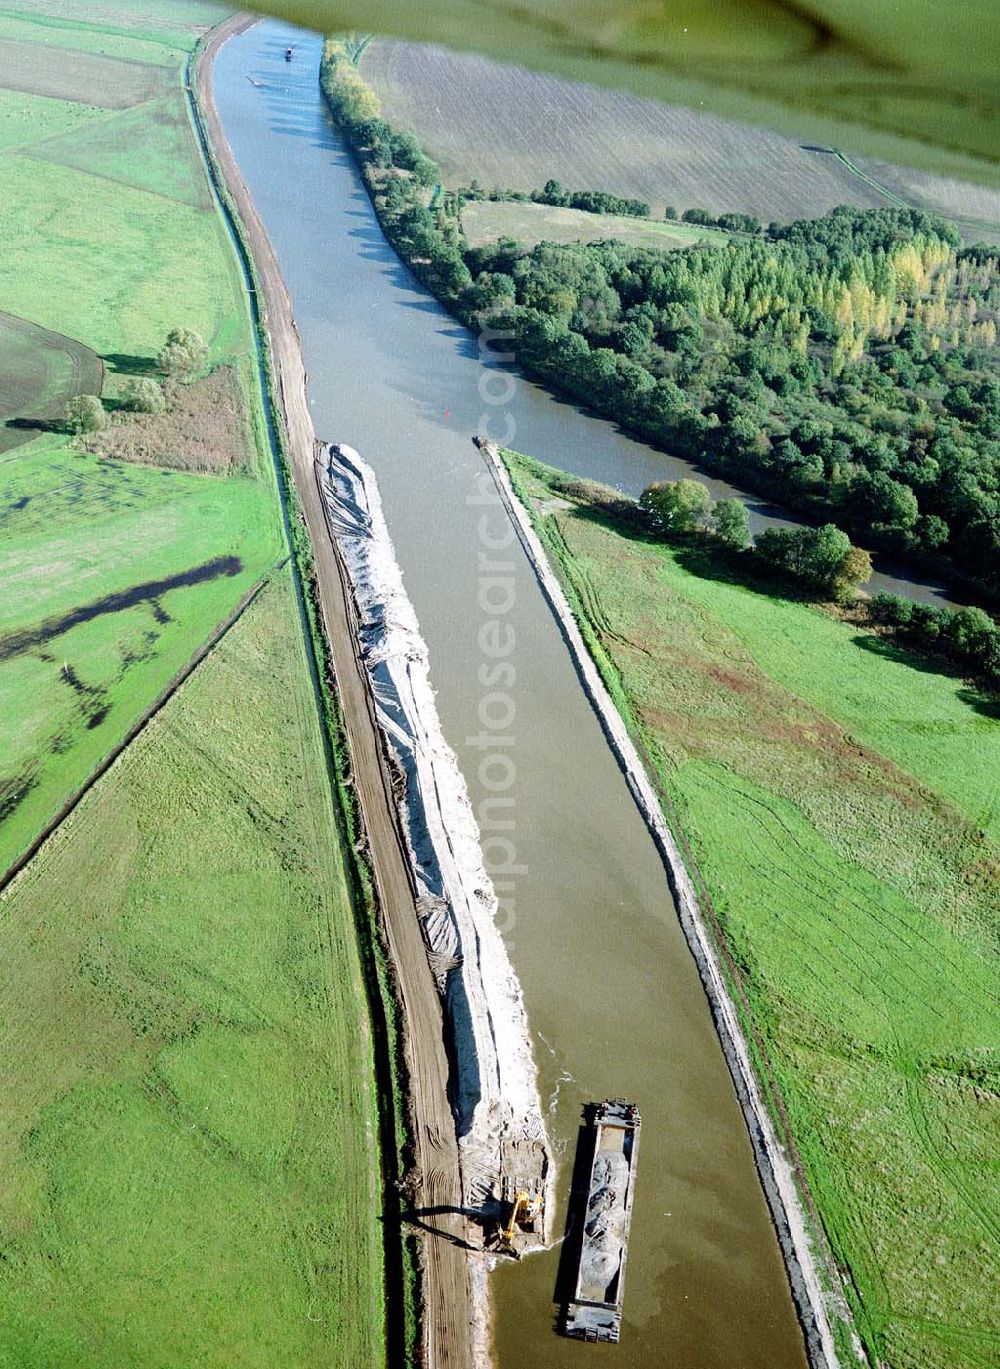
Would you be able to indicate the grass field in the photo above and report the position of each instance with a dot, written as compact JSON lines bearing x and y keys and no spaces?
{"x":41,"y":371}
{"x":188,"y":1154}
{"x":486,"y":220}
{"x":187,"y":1168}
{"x":137,"y":262}
{"x":84,"y":77}
{"x":109,"y":239}
{"x":842,"y":806}
{"x":157,"y":45}
{"x":132,"y":30}
{"x":75,"y":671}
{"x":150,"y":148}
{"x":514,"y":129}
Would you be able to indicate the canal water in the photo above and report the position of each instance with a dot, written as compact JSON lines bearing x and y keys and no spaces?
{"x":614,"y":1001}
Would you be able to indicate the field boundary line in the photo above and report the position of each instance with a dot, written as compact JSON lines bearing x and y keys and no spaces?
{"x":778,"y":1174}
{"x":140,"y":724}
{"x":890,"y":195}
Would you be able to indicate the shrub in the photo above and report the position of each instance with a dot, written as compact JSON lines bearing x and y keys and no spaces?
{"x":679,"y":505}
{"x":85,"y":414}
{"x":184,"y":354}
{"x":731,"y":523}
{"x":144,"y":396}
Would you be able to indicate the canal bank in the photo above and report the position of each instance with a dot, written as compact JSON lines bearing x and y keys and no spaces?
{"x":613,"y":997}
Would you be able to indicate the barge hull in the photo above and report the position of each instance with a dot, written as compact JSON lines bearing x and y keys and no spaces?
{"x":594,"y":1313}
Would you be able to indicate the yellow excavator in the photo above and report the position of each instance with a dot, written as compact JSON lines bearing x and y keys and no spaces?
{"x":525,"y":1211}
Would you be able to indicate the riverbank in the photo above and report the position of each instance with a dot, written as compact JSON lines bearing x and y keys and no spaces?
{"x":776,"y":1173}
{"x":836,"y":808}
{"x":434,"y":1180}
{"x":480,"y":288}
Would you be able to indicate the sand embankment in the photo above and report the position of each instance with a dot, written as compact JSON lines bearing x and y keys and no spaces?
{"x":774,"y":1167}
{"x":493,"y":1087}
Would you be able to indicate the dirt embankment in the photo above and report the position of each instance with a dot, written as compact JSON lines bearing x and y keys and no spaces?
{"x":776,"y":1172}
{"x":446,"y":1282}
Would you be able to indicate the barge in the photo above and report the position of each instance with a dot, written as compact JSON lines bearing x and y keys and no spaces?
{"x":594,"y":1312}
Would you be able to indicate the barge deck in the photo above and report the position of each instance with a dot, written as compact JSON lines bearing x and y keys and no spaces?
{"x":594,"y":1313}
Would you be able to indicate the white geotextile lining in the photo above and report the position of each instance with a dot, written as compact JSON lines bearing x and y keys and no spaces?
{"x":494,"y":1090}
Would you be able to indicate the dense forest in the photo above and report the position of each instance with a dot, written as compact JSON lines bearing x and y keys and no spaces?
{"x":847,"y":364}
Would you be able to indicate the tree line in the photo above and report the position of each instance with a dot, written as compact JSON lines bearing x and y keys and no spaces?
{"x":846,"y":365}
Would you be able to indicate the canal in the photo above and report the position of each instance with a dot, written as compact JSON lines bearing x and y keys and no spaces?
{"x":613,"y":997}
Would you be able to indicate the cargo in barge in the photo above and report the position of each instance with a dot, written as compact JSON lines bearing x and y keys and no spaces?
{"x":594,"y":1312}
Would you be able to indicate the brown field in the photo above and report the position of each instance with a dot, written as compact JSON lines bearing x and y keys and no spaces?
{"x":515,"y":129}
{"x":204,"y":429}
{"x":486,"y":220}
{"x":39,"y":372}
{"x":83,"y":77}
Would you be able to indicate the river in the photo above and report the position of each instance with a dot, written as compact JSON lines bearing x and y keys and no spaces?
{"x":613,"y":997}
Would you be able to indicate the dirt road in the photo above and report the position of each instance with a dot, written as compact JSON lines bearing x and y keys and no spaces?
{"x":446,"y":1273}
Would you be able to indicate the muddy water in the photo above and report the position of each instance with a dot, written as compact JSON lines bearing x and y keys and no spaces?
{"x":612,"y":994}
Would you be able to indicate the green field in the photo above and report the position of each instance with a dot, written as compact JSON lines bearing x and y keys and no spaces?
{"x":109,"y":238}
{"x":74,"y":531}
{"x":841,"y":804}
{"x":41,"y":371}
{"x":187,"y":1124}
{"x":188,"y":1143}
{"x":150,"y":148}
{"x":484,"y":221}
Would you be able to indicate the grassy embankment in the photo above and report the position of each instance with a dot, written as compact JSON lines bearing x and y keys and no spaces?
{"x":840,"y":800}
{"x":110,"y":237}
{"x":188,"y":1134}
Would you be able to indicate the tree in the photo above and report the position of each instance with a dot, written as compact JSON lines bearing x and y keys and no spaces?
{"x":144,"y":396}
{"x":856,"y":569}
{"x":680,"y":505}
{"x":882,"y":501}
{"x":814,"y":556}
{"x":731,"y":523}
{"x":971,"y":631}
{"x":85,"y":414}
{"x":184,"y":354}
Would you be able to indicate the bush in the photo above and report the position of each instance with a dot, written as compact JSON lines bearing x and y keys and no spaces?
{"x":731,"y":523}
{"x":85,"y":414}
{"x":678,"y":505}
{"x":144,"y":396}
{"x":184,"y":354}
{"x":821,"y":558}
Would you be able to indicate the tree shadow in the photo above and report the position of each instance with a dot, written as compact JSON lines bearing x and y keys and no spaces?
{"x":30,"y":426}
{"x":929,"y":662}
{"x":126,"y":363}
